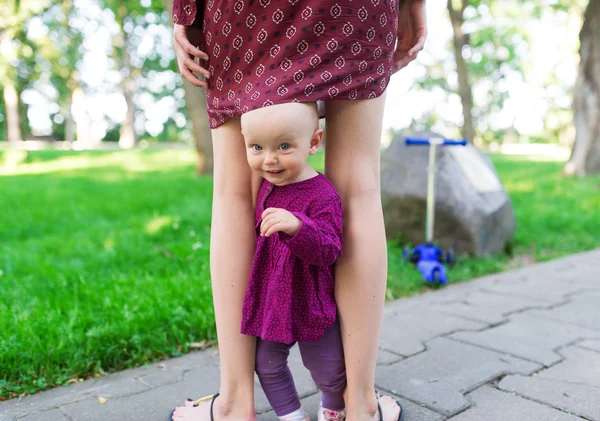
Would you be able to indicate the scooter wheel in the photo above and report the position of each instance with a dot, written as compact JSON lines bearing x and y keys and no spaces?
{"x":415,"y":256}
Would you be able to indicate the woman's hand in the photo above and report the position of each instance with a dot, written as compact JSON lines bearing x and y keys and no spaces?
{"x":184,"y":39}
{"x":276,"y":219}
{"x":412,"y":31}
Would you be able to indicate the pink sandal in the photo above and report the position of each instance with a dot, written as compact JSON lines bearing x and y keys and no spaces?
{"x":325,"y":414}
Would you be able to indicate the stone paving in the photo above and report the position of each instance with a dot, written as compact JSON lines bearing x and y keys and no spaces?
{"x":518,"y":346}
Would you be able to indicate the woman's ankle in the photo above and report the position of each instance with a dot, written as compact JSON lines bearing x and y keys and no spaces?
{"x":360,"y":405}
{"x":235,"y":405}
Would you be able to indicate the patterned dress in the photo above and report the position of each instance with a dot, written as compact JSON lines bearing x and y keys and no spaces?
{"x":265,"y":52}
{"x":290,"y":291}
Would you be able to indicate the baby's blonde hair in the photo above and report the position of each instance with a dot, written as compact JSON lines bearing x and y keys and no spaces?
{"x":289,"y":107}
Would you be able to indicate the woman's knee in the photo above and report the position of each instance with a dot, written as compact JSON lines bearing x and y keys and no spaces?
{"x":232,"y":176}
{"x":359,"y":184}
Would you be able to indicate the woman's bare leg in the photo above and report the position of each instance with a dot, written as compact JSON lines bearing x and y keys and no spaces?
{"x":232,"y":247}
{"x":352,"y":164}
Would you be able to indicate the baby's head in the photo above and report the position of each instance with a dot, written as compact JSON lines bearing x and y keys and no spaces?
{"x":279,"y":139}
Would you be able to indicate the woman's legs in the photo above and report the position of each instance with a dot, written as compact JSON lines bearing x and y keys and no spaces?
{"x":232,"y":247}
{"x":352,"y":164}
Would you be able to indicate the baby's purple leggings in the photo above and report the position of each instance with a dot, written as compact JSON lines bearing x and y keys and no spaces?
{"x":323,"y":358}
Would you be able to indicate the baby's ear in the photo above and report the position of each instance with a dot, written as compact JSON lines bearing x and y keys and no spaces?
{"x":315,"y":141}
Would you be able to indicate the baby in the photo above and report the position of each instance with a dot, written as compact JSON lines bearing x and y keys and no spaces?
{"x":290,"y":294}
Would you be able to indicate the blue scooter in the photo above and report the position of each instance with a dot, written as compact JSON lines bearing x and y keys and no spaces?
{"x":429,"y":258}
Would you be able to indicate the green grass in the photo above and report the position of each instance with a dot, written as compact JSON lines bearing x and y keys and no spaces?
{"x":104,"y":256}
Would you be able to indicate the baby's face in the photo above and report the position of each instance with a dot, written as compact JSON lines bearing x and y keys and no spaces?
{"x":278,"y":140}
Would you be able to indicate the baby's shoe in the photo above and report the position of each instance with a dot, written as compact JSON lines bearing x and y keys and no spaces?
{"x":325,"y":414}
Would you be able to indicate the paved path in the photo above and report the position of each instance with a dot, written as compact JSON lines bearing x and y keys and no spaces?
{"x":518,"y":346}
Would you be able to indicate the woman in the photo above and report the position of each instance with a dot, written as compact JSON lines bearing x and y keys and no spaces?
{"x":256,"y":53}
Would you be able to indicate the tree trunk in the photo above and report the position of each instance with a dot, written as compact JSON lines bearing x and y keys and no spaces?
{"x":195,"y":100}
{"x":585,"y":157}
{"x":80,"y":114}
{"x":11,"y":102}
{"x":69,"y":120}
{"x":127,"y":137}
{"x":71,"y":82}
{"x":464,"y":87}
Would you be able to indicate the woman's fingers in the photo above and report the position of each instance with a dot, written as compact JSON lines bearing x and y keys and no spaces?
{"x":402,"y":59}
{"x":186,"y":74}
{"x":412,"y":33}
{"x":184,"y":62}
{"x":418,"y":45}
{"x":180,"y":36}
{"x":186,"y":53}
{"x":195,"y":67}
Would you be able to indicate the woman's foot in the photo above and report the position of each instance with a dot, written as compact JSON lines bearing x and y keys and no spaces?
{"x":189,"y":412}
{"x":325,"y":414}
{"x":202,"y":412}
{"x":390,"y":409}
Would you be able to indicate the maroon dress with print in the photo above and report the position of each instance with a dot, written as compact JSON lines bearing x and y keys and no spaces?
{"x":265,"y":52}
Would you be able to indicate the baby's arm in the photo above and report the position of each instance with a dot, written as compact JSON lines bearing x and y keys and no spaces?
{"x":319,"y":238}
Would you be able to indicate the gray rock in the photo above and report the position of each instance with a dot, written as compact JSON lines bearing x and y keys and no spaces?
{"x":470,"y":221}
{"x":492,"y":405}
{"x":440,"y":376}
{"x":572,"y":385}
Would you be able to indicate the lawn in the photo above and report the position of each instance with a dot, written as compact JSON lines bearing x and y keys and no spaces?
{"x":104,"y":256}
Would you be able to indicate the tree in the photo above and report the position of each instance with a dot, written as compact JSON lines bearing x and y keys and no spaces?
{"x":62,"y":59}
{"x":127,"y":138}
{"x":585,"y":157}
{"x":456,"y":9}
{"x":487,"y":47}
{"x":13,"y":15}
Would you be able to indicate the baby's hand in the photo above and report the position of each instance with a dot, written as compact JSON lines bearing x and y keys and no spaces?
{"x":276,"y":219}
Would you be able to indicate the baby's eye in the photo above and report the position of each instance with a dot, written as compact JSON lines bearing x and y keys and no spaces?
{"x":285,"y":146}
{"x":257,"y":147}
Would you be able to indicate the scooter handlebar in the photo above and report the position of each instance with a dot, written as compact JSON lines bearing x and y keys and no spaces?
{"x":434,"y":141}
